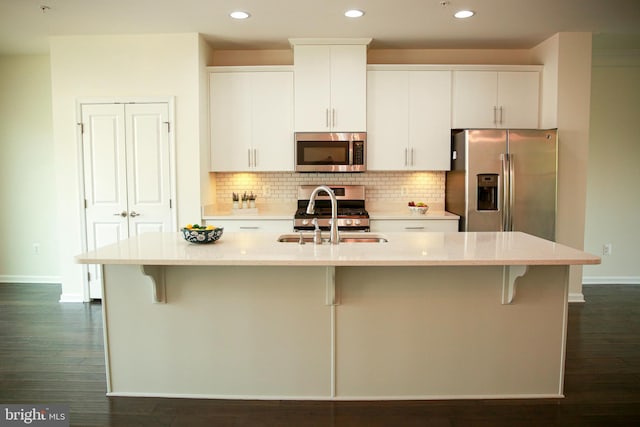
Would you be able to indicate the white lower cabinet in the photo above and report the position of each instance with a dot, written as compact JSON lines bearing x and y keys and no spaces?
{"x":413,"y":225}
{"x":248,"y":225}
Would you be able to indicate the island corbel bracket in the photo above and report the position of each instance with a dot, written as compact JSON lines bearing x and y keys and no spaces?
{"x":156,"y":274}
{"x":510,"y":274}
{"x":330,"y":278}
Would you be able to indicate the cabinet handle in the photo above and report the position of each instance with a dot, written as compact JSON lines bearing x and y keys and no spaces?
{"x":501,"y":118}
{"x":406,"y":157}
{"x":414,"y":228}
{"x":495,"y":115}
{"x":249,"y":156}
{"x":122,"y":214}
{"x":255,"y":157}
{"x":249,"y":228}
{"x":326,"y":117}
{"x":333,"y":117}
{"x":134,"y":214}
{"x":412,"y":162}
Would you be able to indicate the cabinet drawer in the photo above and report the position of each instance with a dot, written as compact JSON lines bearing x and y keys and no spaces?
{"x":248,"y":225}
{"x":417,"y":225}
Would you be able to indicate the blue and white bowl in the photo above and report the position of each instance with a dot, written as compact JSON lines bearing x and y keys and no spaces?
{"x":201,"y":235}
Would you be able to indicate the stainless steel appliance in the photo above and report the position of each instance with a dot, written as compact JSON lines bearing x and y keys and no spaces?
{"x":352,"y":215}
{"x":504,"y":180}
{"x":330,"y":152}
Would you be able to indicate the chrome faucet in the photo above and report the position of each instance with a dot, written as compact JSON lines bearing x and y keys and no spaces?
{"x":334,"y":237}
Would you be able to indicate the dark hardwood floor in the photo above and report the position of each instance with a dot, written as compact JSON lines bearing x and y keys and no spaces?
{"x":53,"y":353}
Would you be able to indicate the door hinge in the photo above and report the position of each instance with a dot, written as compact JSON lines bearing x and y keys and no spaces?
{"x":170,"y":204}
{"x":88,"y":276}
{"x":168,"y":126}
{"x":85,"y":203}
{"x":81,"y":127}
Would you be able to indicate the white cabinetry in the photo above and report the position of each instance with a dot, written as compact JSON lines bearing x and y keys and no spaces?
{"x":496,"y":99}
{"x":413,"y":225}
{"x":251,"y":119}
{"x":408,"y":118}
{"x":330,"y":86}
{"x":248,"y":225}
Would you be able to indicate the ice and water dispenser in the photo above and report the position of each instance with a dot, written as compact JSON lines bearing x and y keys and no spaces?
{"x":487,"y":192}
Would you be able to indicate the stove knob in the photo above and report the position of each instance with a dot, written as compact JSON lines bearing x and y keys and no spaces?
{"x":349,"y":222}
{"x":305,"y":222}
{"x":357,"y":222}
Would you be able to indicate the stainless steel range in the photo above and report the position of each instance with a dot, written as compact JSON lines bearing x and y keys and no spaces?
{"x":352,"y":215}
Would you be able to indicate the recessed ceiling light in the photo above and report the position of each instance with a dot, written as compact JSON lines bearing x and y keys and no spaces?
{"x":461,"y":14}
{"x":238,"y":14}
{"x":353,"y":13}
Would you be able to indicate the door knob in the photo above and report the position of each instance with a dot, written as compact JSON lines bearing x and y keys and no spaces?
{"x":122,"y":214}
{"x":134,"y":214}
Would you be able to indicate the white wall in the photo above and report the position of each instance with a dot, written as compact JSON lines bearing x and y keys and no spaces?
{"x":613,"y":193}
{"x":566,"y":93}
{"x":27,"y":173}
{"x":121,"y":66}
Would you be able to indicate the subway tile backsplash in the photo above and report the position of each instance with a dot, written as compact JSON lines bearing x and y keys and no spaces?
{"x":381,"y":187}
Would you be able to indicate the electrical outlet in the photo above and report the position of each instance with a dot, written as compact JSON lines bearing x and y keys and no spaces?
{"x":606,"y":249}
{"x":36,"y":248}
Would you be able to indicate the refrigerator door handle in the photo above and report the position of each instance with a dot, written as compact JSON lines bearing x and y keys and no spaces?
{"x":505,"y":192}
{"x":512,"y":184}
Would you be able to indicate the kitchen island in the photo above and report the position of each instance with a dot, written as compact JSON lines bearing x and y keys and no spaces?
{"x":422,"y":316}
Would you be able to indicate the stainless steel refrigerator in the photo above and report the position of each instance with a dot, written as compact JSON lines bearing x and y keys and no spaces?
{"x":504,"y":180}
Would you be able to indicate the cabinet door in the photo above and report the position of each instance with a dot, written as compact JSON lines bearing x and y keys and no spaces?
{"x":474,"y":99}
{"x":230,"y":122}
{"x":348,"y":88}
{"x":312,"y":68}
{"x":387,"y":112}
{"x":272,"y":121}
{"x":429,"y":120}
{"x":518,"y":96}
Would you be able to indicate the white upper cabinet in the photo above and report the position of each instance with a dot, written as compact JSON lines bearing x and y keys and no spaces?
{"x":495,"y":99}
{"x":251,"y":119}
{"x":408,"y":119}
{"x":330,"y":87}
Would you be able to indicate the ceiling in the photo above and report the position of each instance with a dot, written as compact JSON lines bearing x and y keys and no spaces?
{"x":426,"y":24}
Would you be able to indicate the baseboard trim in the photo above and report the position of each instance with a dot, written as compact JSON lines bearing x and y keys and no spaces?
{"x":611,"y":280}
{"x":576,"y":298}
{"x":54,"y":280}
{"x":71,"y":298}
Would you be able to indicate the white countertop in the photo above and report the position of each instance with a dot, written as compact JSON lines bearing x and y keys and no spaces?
{"x":402,"y":249}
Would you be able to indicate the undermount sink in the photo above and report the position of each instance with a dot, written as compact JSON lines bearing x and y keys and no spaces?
{"x":344,"y":238}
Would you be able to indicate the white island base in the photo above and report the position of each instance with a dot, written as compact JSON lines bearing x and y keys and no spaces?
{"x":292,"y":332}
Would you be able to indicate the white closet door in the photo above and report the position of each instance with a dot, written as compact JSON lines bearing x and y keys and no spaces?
{"x":127,"y":176}
{"x":148,"y":168}
{"x":105,"y":180}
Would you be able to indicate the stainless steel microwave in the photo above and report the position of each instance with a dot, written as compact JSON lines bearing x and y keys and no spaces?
{"x":331,"y":151}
